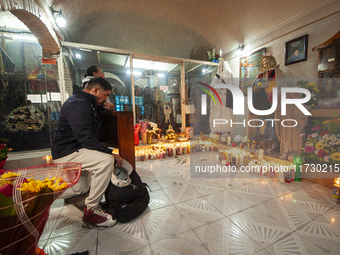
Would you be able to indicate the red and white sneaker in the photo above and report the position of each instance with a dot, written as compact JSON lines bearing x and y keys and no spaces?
{"x":96,"y":216}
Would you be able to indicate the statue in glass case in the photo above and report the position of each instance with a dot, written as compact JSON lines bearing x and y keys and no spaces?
{"x":167,"y":111}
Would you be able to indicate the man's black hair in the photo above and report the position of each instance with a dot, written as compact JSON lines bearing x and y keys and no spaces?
{"x":91,"y":70}
{"x":103,"y":83}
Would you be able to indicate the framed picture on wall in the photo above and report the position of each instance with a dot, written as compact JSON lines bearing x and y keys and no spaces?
{"x":173,"y":84}
{"x":250,"y":67}
{"x":296,"y":50}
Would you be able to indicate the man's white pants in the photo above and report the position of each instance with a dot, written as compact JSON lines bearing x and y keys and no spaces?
{"x":95,"y":163}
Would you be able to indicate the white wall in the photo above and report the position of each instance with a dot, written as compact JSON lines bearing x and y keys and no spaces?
{"x":318,"y":32}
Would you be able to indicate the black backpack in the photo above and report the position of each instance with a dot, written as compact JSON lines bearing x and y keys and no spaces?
{"x":127,"y":203}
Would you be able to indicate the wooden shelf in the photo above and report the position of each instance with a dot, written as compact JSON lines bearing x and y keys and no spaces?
{"x":324,"y":112}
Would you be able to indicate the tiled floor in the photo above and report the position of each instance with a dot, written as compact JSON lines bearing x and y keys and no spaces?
{"x":207,"y":216}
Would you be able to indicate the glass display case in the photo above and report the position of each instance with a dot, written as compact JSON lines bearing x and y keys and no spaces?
{"x":113,"y":65}
{"x":195,"y":74}
{"x":30,"y":98}
{"x":33,"y":88}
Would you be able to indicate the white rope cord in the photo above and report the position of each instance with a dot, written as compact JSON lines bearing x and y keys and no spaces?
{"x":19,"y":208}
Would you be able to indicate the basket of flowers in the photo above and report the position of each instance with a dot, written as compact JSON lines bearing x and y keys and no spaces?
{"x":25,"y":199}
{"x":322,"y":145}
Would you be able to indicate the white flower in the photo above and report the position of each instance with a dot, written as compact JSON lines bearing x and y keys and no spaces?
{"x":326,"y":158}
{"x":315,"y":135}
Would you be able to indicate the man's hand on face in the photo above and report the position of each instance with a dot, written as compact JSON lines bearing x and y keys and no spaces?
{"x":108,"y":106}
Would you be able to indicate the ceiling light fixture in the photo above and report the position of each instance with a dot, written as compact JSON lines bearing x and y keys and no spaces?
{"x":78,"y":56}
{"x":59,"y":18}
{"x":134,"y":73}
{"x":239,"y":50}
{"x":23,"y":37}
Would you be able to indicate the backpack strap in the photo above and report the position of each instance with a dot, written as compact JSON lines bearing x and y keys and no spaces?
{"x":146,"y":185}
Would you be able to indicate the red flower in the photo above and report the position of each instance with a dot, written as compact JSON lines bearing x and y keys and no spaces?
{"x":324,"y":132}
{"x":2,"y":146}
{"x":322,"y":153}
{"x":2,"y":171}
{"x":6,"y":190}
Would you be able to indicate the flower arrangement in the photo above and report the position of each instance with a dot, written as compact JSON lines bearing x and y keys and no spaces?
{"x":25,"y":198}
{"x":323,"y":145}
{"x":212,"y":56}
{"x":315,"y":93}
{"x":25,"y":118}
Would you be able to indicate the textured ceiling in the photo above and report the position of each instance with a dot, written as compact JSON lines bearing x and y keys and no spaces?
{"x":178,"y":28}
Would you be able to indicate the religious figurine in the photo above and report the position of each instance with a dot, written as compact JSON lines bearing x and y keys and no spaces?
{"x":154,"y":94}
{"x":272,"y":76}
{"x":167,"y":111}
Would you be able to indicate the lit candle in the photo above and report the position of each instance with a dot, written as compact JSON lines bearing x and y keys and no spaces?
{"x":260,"y":154}
{"x":157,"y":154}
{"x":48,"y":159}
{"x":336,"y":189}
{"x":146,"y":156}
{"x":174,"y":151}
{"x":180,"y":150}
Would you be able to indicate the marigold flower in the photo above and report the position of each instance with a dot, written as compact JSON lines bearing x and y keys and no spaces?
{"x":7,"y":178}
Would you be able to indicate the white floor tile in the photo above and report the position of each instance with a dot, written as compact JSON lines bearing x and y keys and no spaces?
{"x":187,"y":215}
{"x":224,"y":237}
{"x":164,"y":223}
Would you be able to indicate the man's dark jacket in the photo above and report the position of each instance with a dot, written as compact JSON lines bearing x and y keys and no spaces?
{"x":78,"y":126}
